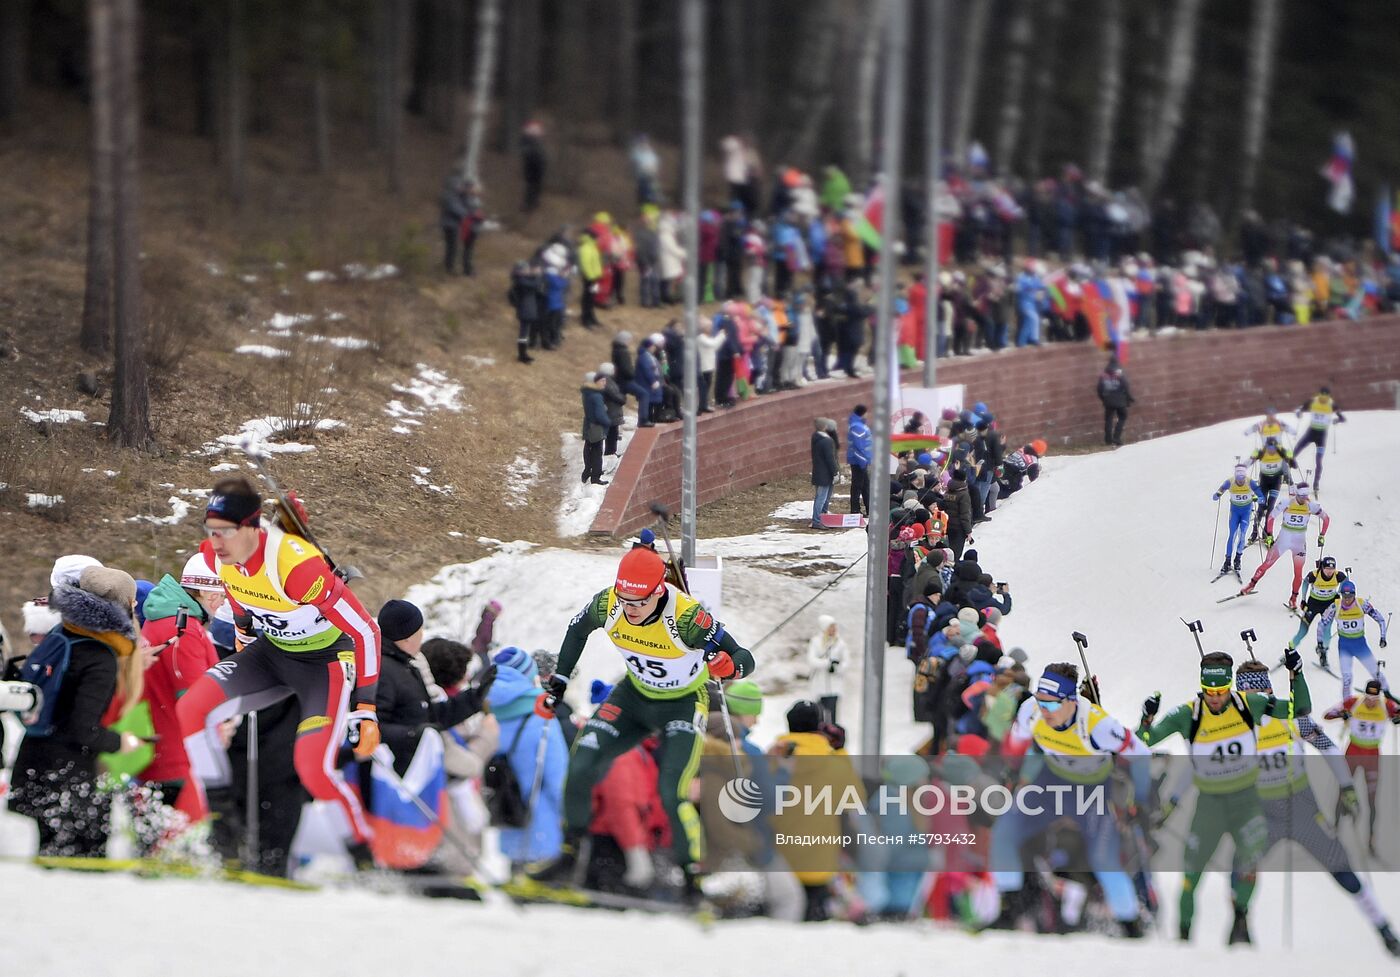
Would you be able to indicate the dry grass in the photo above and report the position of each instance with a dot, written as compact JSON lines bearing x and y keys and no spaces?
{"x":357,"y":484}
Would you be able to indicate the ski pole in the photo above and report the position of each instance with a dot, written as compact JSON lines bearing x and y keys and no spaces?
{"x":662,"y":519}
{"x":729,"y":730}
{"x":1082,"y":642}
{"x":539,"y":766}
{"x":1195,"y":628}
{"x":1215,"y":536}
{"x":252,"y":838}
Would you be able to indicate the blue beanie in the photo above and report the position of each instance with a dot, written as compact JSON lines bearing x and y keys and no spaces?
{"x":143,"y":590}
{"x":924,"y":459}
{"x":518,"y":659}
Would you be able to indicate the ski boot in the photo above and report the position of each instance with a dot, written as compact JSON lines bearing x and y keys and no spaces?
{"x":1225,"y":567}
{"x":1293,"y":601}
{"x":1239,"y":932}
{"x":1131,"y":929}
{"x":1392,"y":945}
{"x":361,"y":855}
{"x":1322,"y":654}
{"x":1238,"y":557}
{"x":560,"y":868}
{"x":1254,"y":534}
{"x":691,"y":893}
{"x":1183,"y":932}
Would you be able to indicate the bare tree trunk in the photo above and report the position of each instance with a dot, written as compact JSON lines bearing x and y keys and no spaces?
{"x":320,"y":96}
{"x":862,"y":114}
{"x":1047,"y":42}
{"x":522,"y":69}
{"x":95,"y":335}
{"x":488,"y":21}
{"x":979,"y":17}
{"x":1263,"y":41}
{"x":1149,"y":84}
{"x":1110,"y":90}
{"x":1018,"y":40}
{"x":394,"y":14}
{"x":14,"y":33}
{"x":236,"y":105}
{"x":129,"y":423}
{"x":810,"y":95}
{"x":571,"y":82}
{"x":456,"y":51}
{"x":625,"y":72}
{"x":1181,"y":60}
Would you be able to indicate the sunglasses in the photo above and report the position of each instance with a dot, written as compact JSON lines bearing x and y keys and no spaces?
{"x":1049,"y":705}
{"x":222,"y":532}
{"x":632,"y":601}
{"x":1215,"y":689}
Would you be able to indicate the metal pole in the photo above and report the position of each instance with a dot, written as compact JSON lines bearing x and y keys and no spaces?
{"x":896,"y":13}
{"x":692,"y":73}
{"x":937,"y":17}
{"x":253,"y":808}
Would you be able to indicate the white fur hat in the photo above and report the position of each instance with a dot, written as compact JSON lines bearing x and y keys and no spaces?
{"x":67,"y":569}
{"x":39,"y":618}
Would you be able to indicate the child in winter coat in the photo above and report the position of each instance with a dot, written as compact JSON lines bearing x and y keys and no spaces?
{"x":826,"y":654}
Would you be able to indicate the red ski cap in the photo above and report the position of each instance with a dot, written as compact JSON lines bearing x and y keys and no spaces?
{"x":640,"y":574}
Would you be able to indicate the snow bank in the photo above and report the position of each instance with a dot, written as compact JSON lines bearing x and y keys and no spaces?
{"x":260,"y":430}
{"x":55,"y":415}
{"x":281,"y":322}
{"x":433,"y":388}
{"x":37,"y":500}
{"x":179,"y":509}
{"x":580,"y":503}
{"x":521,"y":476}
{"x":269,"y":352}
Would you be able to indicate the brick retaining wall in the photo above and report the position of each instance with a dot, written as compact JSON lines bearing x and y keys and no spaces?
{"x":1182,"y":381}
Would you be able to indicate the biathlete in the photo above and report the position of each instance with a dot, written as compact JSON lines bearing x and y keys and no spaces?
{"x":1221,"y":728}
{"x":1290,"y":807}
{"x":1244,"y":494}
{"x":1350,"y":615}
{"x":1080,"y":744}
{"x":1366,"y":715}
{"x":1322,"y":412}
{"x":672,"y":647}
{"x":316,"y":642}
{"x":1321,"y":588}
{"x":1293,"y":517}
{"x":1275,"y":462}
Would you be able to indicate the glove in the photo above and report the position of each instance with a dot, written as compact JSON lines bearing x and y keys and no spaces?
{"x":485,"y":679}
{"x":1292,"y":660}
{"x":364,"y":731}
{"x":1321,"y":540}
{"x":1382,"y":642}
{"x":1395,"y":719}
{"x":1215,"y":497}
{"x":554,"y":688}
{"x":721,"y":666}
{"x":1348,"y":802}
{"x":831,"y":669}
{"x":1151,"y":704}
{"x":20,"y":697}
{"x":130,"y":743}
{"x":1270,"y":701}
{"x":1268,"y":540}
{"x":1344,"y":714}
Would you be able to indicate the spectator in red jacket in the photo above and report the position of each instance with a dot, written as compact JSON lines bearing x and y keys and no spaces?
{"x":628,"y":824}
{"x":185,"y":652}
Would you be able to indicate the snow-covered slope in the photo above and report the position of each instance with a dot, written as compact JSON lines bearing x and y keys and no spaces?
{"x":1115,"y":544}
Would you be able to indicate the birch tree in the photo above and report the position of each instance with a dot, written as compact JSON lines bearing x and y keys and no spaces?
{"x":1043,"y":83}
{"x":1018,"y":40}
{"x":95,"y":334}
{"x":487,"y":29}
{"x":1110,"y":91}
{"x":979,"y":16}
{"x":1181,"y":61}
{"x":1263,"y":41}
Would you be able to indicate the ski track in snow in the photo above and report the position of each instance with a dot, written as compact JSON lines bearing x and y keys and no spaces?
{"x":1115,"y":544}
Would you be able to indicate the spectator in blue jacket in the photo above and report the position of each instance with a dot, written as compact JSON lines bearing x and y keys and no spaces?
{"x":858,"y":452}
{"x":527,"y":740}
{"x":556,"y":290}
{"x":649,"y":379}
{"x":1028,"y":290}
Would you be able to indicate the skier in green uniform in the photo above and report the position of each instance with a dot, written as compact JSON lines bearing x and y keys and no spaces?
{"x":1221,"y":728}
{"x":672,"y":647}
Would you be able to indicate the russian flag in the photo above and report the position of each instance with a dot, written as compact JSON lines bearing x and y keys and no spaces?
{"x":404,"y":837}
{"x":1338,"y":173}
